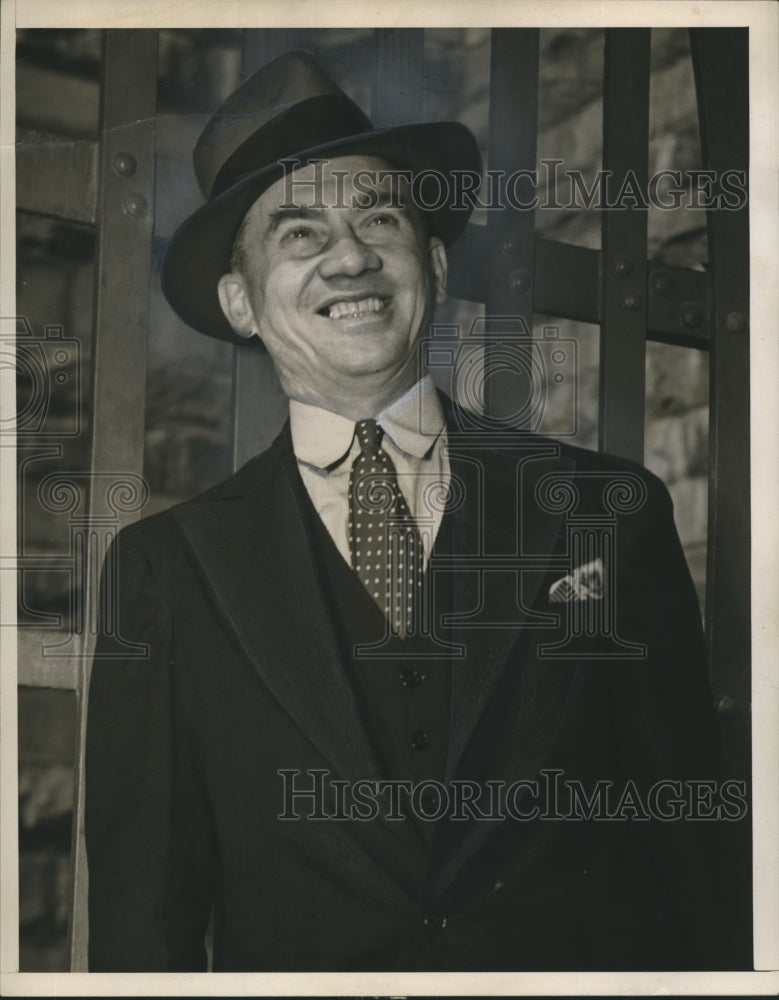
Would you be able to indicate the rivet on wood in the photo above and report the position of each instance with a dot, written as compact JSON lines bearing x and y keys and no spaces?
{"x":519,"y":281}
{"x":662,"y":283}
{"x":135,"y":205}
{"x":736,"y":322}
{"x":691,"y":315}
{"x":124,"y":164}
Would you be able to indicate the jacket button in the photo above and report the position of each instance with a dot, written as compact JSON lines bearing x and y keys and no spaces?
{"x":411,"y":678}
{"x":434,"y":921}
{"x":419,"y":740}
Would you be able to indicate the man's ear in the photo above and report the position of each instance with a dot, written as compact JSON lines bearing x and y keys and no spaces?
{"x":235,"y":305}
{"x":437,"y":254}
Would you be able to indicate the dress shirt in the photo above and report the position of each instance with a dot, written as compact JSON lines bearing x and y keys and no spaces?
{"x":415,"y":439}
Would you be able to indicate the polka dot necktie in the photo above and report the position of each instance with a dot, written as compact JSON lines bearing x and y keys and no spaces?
{"x":386,"y":546}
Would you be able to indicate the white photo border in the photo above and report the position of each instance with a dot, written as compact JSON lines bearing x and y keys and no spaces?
{"x":762,"y":18}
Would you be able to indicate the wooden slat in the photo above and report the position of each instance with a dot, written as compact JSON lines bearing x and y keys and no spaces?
{"x":259,"y":402}
{"x":720,"y":58}
{"x":567,"y":284}
{"x":259,"y":47}
{"x":397,"y":83}
{"x":678,"y":306}
{"x":624,"y":245}
{"x":512,"y":147}
{"x":568,"y":281}
{"x":124,"y":246}
{"x":467,"y":277}
{"x":56,"y":175}
{"x":125,"y":199}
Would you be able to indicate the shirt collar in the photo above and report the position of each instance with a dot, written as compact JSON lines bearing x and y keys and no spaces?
{"x":321,"y":439}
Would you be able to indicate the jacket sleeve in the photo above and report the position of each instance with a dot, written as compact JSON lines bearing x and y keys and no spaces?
{"x":149,"y":833}
{"x":669,"y":732}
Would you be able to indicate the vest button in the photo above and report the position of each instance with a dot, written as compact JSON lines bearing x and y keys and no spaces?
{"x":420,"y":740}
{"x":434,"y":921}
{"x":411,"y":678}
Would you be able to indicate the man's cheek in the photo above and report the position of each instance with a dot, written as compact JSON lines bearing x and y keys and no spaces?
{"x":289,"y":352}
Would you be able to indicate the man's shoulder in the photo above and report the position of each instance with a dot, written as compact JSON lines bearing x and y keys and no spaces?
{"x":469,"y":428}
{"x":509,"y":443}
{"x":587,"y":460}
{"x":618,"y":484}
{"x":594,"y":480}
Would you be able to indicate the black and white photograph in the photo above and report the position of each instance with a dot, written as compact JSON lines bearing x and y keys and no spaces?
{"x":389,"y":499}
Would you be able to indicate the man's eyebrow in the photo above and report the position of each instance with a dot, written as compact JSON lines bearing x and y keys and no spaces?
{"x":293,"y":212}
{"x":384,"y":198}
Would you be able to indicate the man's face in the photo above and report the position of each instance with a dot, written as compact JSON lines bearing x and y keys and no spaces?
{"x":338,"y":294}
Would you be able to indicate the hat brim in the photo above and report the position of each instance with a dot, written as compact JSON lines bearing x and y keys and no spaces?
{"x":199,"y":251}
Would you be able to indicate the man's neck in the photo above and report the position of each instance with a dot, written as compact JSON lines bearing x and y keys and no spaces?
{"x":362,"y":406}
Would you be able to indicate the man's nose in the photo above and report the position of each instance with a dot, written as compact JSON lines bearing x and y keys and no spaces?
{"x":348,"y":255}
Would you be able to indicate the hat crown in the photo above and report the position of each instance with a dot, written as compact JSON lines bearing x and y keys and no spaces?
{"x":266,"y":117}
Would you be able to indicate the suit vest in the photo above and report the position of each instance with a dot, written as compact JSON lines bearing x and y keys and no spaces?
{"x":402,"y":685}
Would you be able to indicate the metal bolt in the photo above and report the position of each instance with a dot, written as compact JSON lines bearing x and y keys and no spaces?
{"x":691,"y":315}
{"x":662,"y":283}
{"x":135,"y":204}
{"x":511,"y":245}
{"x":519,"y":281}
{"x":124,"y":164}
{"x":632,"y":303}
{"x":736,"y":322}
{"x":623,"y":266}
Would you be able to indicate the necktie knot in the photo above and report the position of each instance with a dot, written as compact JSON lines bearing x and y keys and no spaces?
{"x":369,"y":436}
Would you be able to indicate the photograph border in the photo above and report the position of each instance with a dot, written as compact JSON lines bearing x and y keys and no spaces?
{"x":762,"y":18}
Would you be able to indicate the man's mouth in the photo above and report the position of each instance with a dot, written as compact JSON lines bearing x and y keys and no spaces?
{"x":353,"y":309}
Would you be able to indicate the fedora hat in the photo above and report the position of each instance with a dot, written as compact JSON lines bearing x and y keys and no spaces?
{"x":289,"y":110}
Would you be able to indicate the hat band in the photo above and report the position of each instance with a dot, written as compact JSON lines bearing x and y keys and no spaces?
{"x":310,"y":123}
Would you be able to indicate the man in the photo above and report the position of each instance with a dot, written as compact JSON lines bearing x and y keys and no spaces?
{"x":362,"y":701}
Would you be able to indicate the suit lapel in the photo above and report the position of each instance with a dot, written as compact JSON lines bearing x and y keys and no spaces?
{"x":500,"y":517}
{"x":257,"y":560}
{"x":252,"y":543}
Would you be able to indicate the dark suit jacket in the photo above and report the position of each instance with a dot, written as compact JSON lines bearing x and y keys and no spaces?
{"x":219,"y":664}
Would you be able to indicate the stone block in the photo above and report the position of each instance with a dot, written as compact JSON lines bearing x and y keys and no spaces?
{"x":677,"y":446}
{"x":677,"y":380}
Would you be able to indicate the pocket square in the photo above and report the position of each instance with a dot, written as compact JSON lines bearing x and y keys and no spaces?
{"x":584,"y":583}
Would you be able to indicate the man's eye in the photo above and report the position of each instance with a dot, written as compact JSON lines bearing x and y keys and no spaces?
{"x":384,"y":219}
{"x":301,"y":238}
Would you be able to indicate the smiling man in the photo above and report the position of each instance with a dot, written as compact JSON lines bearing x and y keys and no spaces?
{"x":376,"y":702}
{"x":338,"y":294}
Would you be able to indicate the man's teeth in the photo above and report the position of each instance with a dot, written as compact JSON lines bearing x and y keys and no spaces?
{"x":342,"y":310}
